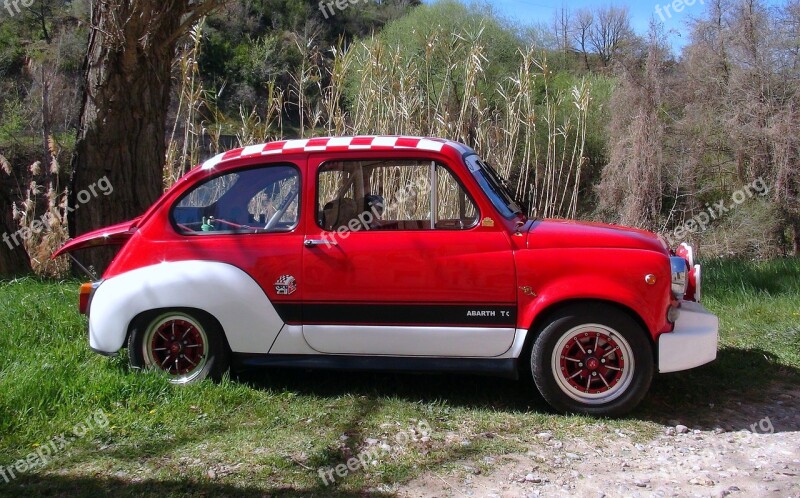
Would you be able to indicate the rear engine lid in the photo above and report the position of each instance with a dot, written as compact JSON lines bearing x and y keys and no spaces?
{"x":114,"y":235}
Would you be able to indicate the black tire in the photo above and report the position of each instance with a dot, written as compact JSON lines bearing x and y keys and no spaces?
{"x":604,"y":366}
{"x":186,"y":344}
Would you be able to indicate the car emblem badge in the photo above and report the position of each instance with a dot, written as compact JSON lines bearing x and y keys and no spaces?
{"x":286,"y":285}
{"x":487,"y":222}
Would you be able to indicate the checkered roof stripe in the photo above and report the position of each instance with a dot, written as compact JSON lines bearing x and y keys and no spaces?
{"x":331,"y":144}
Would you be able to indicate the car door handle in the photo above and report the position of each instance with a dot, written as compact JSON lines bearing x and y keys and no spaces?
{"x":319,"y":242}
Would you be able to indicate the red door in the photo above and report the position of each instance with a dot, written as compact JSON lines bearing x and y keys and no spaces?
{"x":250,"y":218}
{"x":393,"y":266}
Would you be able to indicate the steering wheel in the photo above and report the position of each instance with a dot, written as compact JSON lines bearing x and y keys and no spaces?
{"x":281,"y":211}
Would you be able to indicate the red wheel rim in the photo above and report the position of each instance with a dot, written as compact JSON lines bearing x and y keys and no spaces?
{"x":178,"y":345}
{"x":593,"y":364}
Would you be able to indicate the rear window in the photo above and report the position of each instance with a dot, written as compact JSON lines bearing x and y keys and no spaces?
{"x":257,"y":200}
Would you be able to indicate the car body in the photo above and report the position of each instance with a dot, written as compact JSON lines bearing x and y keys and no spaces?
{"x":340,"y":253}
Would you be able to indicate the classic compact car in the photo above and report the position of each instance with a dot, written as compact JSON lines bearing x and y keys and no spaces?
{"x":396,"y":254}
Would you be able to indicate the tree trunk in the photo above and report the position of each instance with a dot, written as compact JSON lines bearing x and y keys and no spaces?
{"x":122,"y":134}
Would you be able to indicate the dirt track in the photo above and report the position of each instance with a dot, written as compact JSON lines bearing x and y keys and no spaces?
{"x":756,"y":453}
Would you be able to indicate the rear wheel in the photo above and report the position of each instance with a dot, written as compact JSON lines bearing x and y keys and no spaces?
{"x":188,"y":346}
{"x":592,"y":359}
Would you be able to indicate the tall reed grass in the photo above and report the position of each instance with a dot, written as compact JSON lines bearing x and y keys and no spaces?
{"x":531,"y":133}
{"x":41,"y":214}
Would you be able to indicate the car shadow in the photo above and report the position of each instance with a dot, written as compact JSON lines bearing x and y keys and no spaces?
{"x":60,"y":485}
{"x":468,"y":391}
{"x":741,"y":388}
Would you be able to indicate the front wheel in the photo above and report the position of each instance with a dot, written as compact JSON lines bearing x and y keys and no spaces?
{"x":188,"y":346}
{"x":592,"y":359}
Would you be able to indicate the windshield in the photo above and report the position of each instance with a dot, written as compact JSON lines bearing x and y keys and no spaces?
{"x":495,"y":187}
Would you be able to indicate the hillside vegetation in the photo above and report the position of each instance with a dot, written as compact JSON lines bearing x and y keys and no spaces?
{"x":587,"y":118}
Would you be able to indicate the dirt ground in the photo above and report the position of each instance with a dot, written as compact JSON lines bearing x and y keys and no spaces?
{"x":755,"y":453}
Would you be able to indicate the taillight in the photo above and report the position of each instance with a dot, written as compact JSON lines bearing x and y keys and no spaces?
{"x":686,"y":252}
{"x":85,"y":296}
{"x":694,"y":284}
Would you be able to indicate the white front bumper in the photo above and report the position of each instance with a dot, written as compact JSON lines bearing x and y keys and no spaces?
{"x":692,"y":343}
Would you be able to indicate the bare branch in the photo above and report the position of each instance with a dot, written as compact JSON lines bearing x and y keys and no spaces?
{"x":197,"y":10}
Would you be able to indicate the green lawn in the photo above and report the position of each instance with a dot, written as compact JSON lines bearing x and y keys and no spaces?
{"x":268,"y":432}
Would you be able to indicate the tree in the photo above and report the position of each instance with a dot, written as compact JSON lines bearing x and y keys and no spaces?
{"x":787,"y":191}
{"x":562,"y":25}
{"x":13,"y":261}
{"x":127,"y":86}
{"x":738,"y":115}
{"x":610,"y":30}
{"x":632,"y":185}
{"x":584,"y":21}
{"x":36,"y":98}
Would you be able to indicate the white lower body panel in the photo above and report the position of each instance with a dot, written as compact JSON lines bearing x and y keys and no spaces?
{"x":230,"y":295}
{"x":457,"y":342}
{"x":443,"y":342}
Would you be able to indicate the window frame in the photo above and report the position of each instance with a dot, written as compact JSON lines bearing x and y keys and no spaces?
{"x":482,"y":175}
{"x":432,"y":195}
{"x":176,"y":227}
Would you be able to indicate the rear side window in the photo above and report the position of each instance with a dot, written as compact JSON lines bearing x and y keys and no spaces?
{"x":257,"y":200}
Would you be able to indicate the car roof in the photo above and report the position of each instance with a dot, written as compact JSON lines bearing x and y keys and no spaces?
{"x":337,"y":144}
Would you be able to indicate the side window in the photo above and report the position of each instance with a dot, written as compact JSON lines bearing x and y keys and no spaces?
{"x":264,"y":199}
{"x":455,"y":209}
{"x":391,"y":195}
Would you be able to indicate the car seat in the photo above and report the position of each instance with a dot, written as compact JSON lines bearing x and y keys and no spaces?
{"x":338,"y":213}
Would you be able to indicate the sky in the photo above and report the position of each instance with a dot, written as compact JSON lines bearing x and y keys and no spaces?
{"x":534,"y":11}
{"x":642,"y":11}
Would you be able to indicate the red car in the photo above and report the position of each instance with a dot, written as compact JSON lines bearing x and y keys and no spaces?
{"x":391,"y":253}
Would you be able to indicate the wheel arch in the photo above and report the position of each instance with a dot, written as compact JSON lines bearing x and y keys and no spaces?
{"x":232,"y":297}
{"x":143,"y":316}
{"x":545,"y":316}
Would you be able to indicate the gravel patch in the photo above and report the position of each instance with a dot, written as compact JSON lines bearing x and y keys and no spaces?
{"x":755,"y":452}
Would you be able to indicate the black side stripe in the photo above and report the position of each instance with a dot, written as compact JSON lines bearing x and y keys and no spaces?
{"x":398,"y":314}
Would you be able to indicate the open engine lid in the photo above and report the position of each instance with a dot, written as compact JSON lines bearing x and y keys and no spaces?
{"x":109,"y":236}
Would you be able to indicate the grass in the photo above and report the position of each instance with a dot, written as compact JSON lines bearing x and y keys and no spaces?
{"x":267,"y":432}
